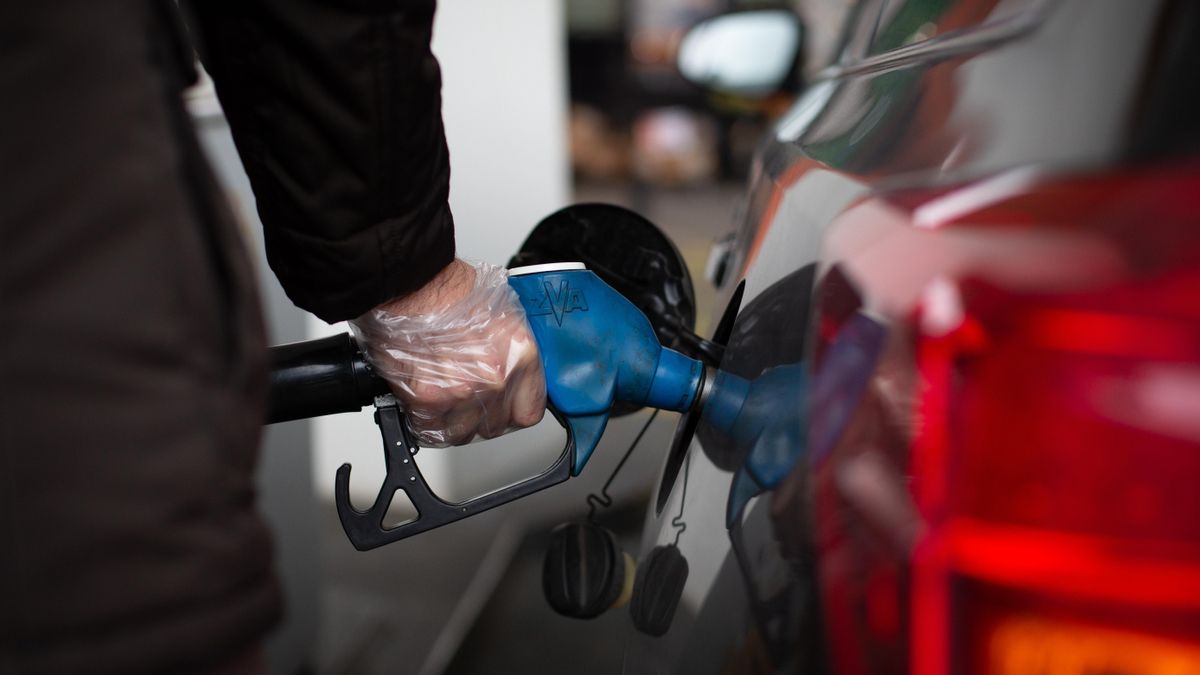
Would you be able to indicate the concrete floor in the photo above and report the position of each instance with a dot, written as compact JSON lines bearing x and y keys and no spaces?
{"x":467,"y":598}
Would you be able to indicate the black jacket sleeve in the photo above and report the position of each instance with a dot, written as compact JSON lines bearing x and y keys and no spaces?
{"x":336,"y":112}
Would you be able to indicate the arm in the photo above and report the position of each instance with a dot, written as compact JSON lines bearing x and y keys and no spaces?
{"x":335,"y":108}
{"x":336,"y":111}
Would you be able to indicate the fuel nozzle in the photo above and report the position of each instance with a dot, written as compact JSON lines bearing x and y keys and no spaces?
{"x":599,"y":349}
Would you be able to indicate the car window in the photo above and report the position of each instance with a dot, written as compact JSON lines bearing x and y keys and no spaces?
{"x":908,"y":22}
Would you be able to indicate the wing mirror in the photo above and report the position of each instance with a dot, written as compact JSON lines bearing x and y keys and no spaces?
{"x":745,"y":53}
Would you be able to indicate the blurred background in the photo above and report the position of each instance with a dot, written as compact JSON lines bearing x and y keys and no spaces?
{"x":546,"y":103}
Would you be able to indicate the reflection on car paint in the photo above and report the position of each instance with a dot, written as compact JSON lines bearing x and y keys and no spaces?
{"x":843,"y":564}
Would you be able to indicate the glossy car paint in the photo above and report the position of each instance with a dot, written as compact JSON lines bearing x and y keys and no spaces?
{"x":931,"y":152}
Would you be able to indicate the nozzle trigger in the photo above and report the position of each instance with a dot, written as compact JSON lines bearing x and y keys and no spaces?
{"x":365,"y":529}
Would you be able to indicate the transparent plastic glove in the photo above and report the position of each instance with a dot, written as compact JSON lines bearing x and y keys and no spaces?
{"x":462,"y":364}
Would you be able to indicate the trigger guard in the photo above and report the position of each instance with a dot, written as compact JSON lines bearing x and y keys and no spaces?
{"x":583,"y":435}
{"x":365,"y":528}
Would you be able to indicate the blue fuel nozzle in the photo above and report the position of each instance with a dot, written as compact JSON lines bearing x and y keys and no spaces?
{"x":597,"y":348}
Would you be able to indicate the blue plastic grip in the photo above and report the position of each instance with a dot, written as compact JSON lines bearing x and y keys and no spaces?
{"x":598,"y":348}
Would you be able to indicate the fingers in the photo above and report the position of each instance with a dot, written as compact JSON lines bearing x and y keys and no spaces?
{"x":441,"y":415}
{"x":528,"y":395}
{"x":471,"y":369}
{"x":462,"y":423}
{"x":480,"y":388}
{"x":496,"y":420}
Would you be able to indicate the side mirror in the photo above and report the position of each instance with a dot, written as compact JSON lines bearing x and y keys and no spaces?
{"x":745,"y":53}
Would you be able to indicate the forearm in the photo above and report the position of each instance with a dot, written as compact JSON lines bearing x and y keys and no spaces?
{"x":336,"y":112}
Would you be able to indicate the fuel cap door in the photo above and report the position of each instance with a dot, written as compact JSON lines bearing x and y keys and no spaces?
{"x":629,"y":253}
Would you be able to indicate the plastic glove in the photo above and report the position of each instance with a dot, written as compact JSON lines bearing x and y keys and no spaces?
{"x":459,"y":356}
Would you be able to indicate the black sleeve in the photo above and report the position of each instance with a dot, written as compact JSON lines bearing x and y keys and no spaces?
{"x":336,"y":112}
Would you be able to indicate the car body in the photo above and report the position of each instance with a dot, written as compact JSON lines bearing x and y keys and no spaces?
{"x":962,"y":304}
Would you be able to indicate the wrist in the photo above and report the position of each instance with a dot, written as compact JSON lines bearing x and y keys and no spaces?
{"x":453,"y":283}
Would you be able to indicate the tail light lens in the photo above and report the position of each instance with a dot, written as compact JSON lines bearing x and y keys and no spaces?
{"x":1051,"y":459}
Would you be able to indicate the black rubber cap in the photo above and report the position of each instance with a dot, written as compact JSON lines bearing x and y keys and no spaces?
{"x":657,"y":589}
{"x":584,"y":570}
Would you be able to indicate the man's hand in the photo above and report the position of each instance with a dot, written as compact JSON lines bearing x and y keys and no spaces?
{"x":459,"y":355}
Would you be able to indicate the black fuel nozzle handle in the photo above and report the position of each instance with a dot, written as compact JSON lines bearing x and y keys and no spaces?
{"x":320,"y":377}
{"x":330,"y":375}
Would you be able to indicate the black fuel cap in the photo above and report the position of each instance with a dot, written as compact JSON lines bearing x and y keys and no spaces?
{"x":657,"y":589}
{"x":584,"y":570}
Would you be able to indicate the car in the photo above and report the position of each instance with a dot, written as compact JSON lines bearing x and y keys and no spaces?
{"x":960,"y":320}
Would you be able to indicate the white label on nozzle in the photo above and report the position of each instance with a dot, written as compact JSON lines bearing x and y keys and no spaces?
{"x":546,"y":267}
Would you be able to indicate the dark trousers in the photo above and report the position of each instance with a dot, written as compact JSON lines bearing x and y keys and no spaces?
{"x":131,"y":360}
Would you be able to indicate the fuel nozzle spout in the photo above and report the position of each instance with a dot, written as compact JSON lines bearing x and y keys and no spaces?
{"x":678,"y":382}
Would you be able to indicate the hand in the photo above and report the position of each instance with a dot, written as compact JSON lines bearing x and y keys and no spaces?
{"x":458,"y":355}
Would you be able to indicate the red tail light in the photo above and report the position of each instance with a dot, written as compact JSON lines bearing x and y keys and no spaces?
{"x":1052,"y":458}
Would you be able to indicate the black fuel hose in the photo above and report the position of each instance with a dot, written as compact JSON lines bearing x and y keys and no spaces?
{"x":320,"y":377}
